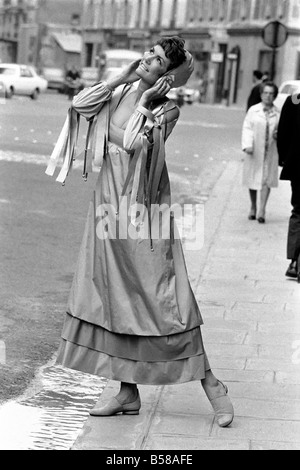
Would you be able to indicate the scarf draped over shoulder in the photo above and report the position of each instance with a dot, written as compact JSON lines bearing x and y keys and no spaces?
{"x":144,"y":137}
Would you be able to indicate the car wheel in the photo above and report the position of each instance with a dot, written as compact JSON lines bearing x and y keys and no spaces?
{"x":9,"y":93}
{"x":35,"y":94}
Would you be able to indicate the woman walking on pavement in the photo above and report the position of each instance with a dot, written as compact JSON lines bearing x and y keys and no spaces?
{"x":261,"y":156}
{"x":132,"y":316}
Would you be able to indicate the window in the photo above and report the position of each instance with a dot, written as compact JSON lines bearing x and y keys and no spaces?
{"x":88,"y":54}
{"x":114,"y":8}
{"x":174,"y":14}
{"x":283,"y":9}
{"x":139,"y":15}
{"x":89,"y":14}
{"x":246,"y":9}
{"x":268,"y":9}
{"x":290,"y":89}
{"x":235,"y":10}
{"x":274,"y":8}
{"x":7,"y":71}
{"x":295,"y":10}
{"x":258,"y":9}
{"x":126,"y":13}
{"x":223,"y":9}
{"x":101,"y":15}
{"x":265,"y":61}
{"x":194,"y":14}
{"x":205,"y":13}
{"x":25,"y":72}
{"x":210,"y":10}
{"x":215,"y":10}
{"x":147,"y":15}
{"x":200,"y":11}
{"x":159,"y":13}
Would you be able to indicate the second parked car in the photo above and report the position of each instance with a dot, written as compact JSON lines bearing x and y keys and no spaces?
{"x":55,"y":78}
{"x":290,"y":87}
{"x":21,"y":79}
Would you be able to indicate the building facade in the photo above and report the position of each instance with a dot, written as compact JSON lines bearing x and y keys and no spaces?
{"x":14,"y":15}
{"x":225,"y":37}
{"x":28,"y":30}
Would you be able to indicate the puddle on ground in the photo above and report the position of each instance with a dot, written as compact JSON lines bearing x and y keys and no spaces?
{"x":53,"y":418}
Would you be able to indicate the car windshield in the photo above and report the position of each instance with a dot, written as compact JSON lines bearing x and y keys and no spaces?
{"x":54,"y":72}
{"x":7,"y":71}
{"x":290,"y":89}
{"x":89,"y":74}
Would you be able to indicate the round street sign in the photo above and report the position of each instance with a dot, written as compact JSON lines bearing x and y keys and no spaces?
{"x":275,"y":34}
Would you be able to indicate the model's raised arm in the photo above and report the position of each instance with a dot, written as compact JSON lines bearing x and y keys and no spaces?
{"x":90,"y":100}
{"x":143,"y":121}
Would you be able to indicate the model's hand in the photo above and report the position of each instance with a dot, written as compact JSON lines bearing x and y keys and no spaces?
{"x":249,"y":150}
{"x":129,"y":74}
{"x":160,"y":89}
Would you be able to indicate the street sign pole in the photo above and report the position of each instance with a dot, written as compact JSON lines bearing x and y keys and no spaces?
{"x":274,"y":35}
{"x":273,"y":66}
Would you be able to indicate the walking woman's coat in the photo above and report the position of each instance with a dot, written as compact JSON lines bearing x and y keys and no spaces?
{"x":261,"y":166}
{"x":131,"y":315}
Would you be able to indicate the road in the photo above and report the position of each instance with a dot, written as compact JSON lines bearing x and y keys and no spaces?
{"x":41,"y":222}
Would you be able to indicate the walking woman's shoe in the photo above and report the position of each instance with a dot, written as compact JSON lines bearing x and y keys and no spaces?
{"x":114,"y":406}
{"x":222,"y":406}
{"x":252,"y":214}
{"x":261,"y":220}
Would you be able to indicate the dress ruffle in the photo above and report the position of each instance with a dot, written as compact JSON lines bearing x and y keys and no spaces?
{"x":138,"y":372}
{"x":133,"y":347}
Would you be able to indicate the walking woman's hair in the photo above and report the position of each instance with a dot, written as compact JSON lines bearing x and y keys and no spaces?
{"x":269,"y":84}
{"x":174,"y":50}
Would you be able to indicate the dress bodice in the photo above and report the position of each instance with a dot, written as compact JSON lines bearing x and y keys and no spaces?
{"x":115,"y":134}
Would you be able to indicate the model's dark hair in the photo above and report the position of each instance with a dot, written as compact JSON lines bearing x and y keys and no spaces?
{"x":174,"y":50}
{"x":270,"y":84}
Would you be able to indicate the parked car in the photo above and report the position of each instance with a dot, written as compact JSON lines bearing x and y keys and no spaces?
{"x":191,"y":95}
{"x":89,"y":76}
{"x":21,"y":79}
{"x":2,"y":90}
{"x":287,"y":88}
{"x":117,"y":59}
{"x":177,"y":95}
{"x":184,"y":95}
{"x":55,"y":78}
{"x":111,"y":72}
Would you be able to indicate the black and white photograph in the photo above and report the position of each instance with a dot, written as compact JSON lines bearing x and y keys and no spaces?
{"x":149,"y":227}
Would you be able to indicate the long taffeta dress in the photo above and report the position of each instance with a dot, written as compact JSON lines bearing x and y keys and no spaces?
{"x":131,"y":314}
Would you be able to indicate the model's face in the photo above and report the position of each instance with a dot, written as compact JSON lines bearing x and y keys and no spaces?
{"x":153,"y":65}
{"x":268,"y":95}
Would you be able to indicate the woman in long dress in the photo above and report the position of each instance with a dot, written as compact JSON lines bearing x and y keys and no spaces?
{"x":261,"y":156}
{"x":132,"y":316}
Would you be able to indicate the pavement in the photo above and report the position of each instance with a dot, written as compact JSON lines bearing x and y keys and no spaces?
{"x":251,"y":334}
